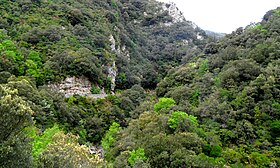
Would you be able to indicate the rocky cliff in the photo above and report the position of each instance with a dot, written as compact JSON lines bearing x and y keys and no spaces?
{"x":76,"y":86}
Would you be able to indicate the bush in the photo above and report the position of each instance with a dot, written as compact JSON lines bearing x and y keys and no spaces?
{"x":164,"y":103}
{"x":259,"y":159}
{"x":109,"y":138}
{"x":95,"y":89}
{"x":65,"y":151}
{"x":178,"y":117}
{"x":136,"y":155}
{"x":41,"y":142}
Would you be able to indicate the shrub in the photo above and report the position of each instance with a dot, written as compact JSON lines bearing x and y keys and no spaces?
{"x":95,"y":89}
{"x":136,"y":155}
{"x":41,"y":142}
{"x":180,"y":116}
{"x":109,"y":138}
{"x":164,"y":103}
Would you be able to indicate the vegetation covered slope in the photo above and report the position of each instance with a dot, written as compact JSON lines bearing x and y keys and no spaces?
{"x":73,"y":38}
{"x":45,"y":41}
{"x":218,"y":104}
{"x":233,"y":90}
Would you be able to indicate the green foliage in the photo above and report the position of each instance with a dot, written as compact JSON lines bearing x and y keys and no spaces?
{"x":32,"y":70}
{"x":277,"y":12}
{"x":203,"y":68}
{"x":232,"y":156}
{"x":83,"y":134}
{"x":276,"y":108}
{"x":164,"y":103}
{"x":231,"y":86}
{"x":258,"y":26}
{"x":40,"y":142}
{"x":179,"y":116}
{"x":259,"y":159}
{"x":95,"y":89}
{"x":216,"y":151}
{"x":136,"y":155}
{"x":276,"y":148}
{"x":65,"y":151}
{"x":175,"y":117}
{"x":109,"y":139}
{"x":58,"y":31}
{"x":35,"y":57}
{"x":194,"y":99}
{"x":234,"y":95}
{"x":15,"y":116}
{"x":11,"y":58}
{"x":162,"y":147}
{"x":114,"y":4}
{"x":3,"y":35}
{"x":275,"y":128}
{"x":78,"y":114}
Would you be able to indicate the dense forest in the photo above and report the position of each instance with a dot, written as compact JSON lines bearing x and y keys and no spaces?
{"x":176,"y":95}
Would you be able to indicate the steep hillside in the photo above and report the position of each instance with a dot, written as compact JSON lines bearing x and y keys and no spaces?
{"x":233,"y":89}
{"x":114,"y":41}
{"x":215,"y":103}
{"x":78,"y":47}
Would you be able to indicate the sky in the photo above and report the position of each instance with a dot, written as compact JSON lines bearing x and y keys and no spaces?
{"x":224,"y":16}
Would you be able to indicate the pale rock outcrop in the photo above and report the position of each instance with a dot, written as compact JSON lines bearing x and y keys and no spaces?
{"x":76,"y":86}
{"x":73,"y":85}
{"x":174,"y":12}
{"x":112,"y":69}
{"x":112,"y":74}
{"x":113,"y":43}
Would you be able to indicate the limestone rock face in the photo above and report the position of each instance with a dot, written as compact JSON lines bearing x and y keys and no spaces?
{"x":112,"y":69}
{"x":174,"y":12}
{"x":73,"y":85}
{"x":76,"y":86}
{"x":113,"y":43}
{"x":112,"y":74}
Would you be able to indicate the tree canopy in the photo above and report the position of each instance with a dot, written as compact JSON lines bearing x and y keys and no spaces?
{"x":182,"y":98}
